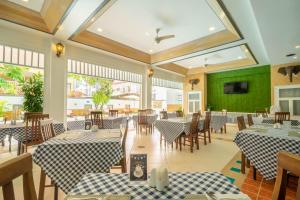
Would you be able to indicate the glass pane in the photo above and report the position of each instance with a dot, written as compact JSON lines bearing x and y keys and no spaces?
{"x":7,"y":54}
{"x":284,"y":105}
{"x":191,"y":107}
{"x":1,"y":53}
{"x":197,"y":106}
{"x":194,"y":96}
{"x":296,"y":107}
{"x":28,"y":58}
{"x":291,"y":92}
{"x":14,"y":56}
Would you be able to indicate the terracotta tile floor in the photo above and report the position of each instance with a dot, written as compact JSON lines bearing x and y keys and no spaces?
{"x":262,"y":189}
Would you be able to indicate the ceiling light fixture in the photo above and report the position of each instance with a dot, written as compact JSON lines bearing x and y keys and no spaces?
{"x":212,"y":28}
{"x":93,"y":19}
{"x":147,"y":33}
{"x":240,"y":57}
{"x":25,"y":0}
{"x":297,"y":46}
{"x":99,"y":29}
{"x":150,"y":50}
{"x":295,"y":57}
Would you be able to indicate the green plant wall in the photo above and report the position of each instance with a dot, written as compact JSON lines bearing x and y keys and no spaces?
{"x":259,"y":90}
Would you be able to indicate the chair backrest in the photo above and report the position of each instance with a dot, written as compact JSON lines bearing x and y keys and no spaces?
{"x":47,"y":129}
{"x":26,"y":114}
{"x":286,"y":162}
{"x":97,"y":118}
{"x":9,"y":170}
{"x":142,"y":116}
{"x":241,"y":123}
{"x":163,"y":114}
{"x":250,"y":120}
{"x":194,"y":124}
{"x":282,"y":116}
{"x":263,"y":113}
{"x":32,"y":128}
{"x":179,"y":113}
{"x":207,"y":121}
{"x":113,"y":113}
{"x":149,"y":111}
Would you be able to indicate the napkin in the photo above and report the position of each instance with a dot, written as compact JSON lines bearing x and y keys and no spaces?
{"x":196,"y":197}
{"x":294,"y":133}
{"x":231,"y":196}
{"x":261,"y":130}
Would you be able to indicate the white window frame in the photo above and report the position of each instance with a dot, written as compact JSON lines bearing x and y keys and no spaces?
{"x":194,"y":101}
{"x":290,"y":99}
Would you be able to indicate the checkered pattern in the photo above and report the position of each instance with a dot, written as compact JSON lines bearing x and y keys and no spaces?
{"x":262,"y":148}
{"x":108,"y":123}
{"x":150,"y":118}
{"x":218,"y":121}
{"x":181,"y":184}
{"x":18,"y":131}
{"x":272,"y":121}
{"x":173,"y":128}
{"x":67,"y":161}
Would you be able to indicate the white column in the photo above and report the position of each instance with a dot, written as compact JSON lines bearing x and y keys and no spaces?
{"x":146,"y":90}
{"x":58,"y":85}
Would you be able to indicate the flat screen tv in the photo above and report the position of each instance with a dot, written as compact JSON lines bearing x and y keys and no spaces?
{"x":236,"y":88}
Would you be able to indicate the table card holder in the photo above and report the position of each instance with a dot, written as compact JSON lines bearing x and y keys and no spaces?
{"x":138,"y":169}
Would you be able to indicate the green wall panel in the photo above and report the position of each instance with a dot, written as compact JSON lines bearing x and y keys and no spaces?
{"x":259,"y":90}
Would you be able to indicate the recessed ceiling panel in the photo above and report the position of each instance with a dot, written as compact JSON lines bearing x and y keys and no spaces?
{"x":222,"y":56}
{"x":133,"y":22}
{"x":35,"y":5}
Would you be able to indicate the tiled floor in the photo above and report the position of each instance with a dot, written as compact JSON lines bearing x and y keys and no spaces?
{"x":262,"y":189}
{"x":217,"y":156}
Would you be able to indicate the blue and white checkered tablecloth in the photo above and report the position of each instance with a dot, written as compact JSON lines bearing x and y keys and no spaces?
{"x":67,"y":161}
{"x":261,"y":143}
{"x":108,"y":123}
{"x":181,"y":184}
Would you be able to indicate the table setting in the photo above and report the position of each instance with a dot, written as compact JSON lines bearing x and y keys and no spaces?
{"x":69,"y":156}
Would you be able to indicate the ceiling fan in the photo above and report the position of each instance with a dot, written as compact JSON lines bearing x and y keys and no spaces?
{"x":158,"y":39}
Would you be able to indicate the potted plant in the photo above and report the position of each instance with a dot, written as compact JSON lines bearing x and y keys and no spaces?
{"x":32,"y":89}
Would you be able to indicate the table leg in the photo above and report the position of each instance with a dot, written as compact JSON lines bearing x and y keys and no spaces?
{"x":55,"y":192}
{"x":254,"y":173}
{"x":42,"y":185}
{"x":9,"y":141}
{"x":243,"y":164}
{"x":3,"y":143}
{"x":225,"y":128}
{"x":19,"y":148}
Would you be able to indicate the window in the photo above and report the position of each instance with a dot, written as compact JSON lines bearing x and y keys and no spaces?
{"x":288,"y":98}
{"x":194,"y":101}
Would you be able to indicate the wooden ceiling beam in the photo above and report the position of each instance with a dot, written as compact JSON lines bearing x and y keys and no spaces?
{"x":54,"y":11}
{"x":20,"y":15}
{"x":100,"y":42}
{"x":174,"y":67}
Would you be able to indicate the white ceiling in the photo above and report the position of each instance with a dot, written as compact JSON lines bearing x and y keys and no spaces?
{"x":278,"y":22}
{"x":218,"y":57}
{"x":133,"y":22}
{"x":35,"y":5}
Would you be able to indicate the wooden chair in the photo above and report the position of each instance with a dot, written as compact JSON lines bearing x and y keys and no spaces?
{"x":9,"y":170}
{"x":163,"y":114}
{"x":282,"y":116}
{"x":193,"y":135}
{"x":113,"y":113}
{"x":142,"y":122}
{"x":286,"y":162}
{"x":33,"y":134}
{"x":179,"y":113}
{"x":241,"y":123}
{"x":263,"y":113}
{"x":122,"y":163}
{"x":149,"y":111}
{"x":47,"y":131}
{"x":26,"y":114}
{"x":206,"y":128}
{"x":97,"y":119}
{"x":250,"y":120}
{"x":46,"y":128}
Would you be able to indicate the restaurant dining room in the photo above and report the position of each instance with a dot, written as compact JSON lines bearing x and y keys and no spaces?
{"x":149,"y":99}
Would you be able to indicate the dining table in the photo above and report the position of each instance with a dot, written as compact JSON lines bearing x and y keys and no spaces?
{"x":108,"y":123}
{"x":66,"y":158}
{"x":218,"y":122}
{"x":174,"y":127}
{"x":180,"y":186}
{"x":150,"y":118}
{"x":17,"y":131}
{"x":261,"y":143}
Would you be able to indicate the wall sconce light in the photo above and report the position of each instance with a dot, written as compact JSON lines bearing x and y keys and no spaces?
{"x":194,"y":82}
{"x":150,"y":72}
{"x":59,"y":49}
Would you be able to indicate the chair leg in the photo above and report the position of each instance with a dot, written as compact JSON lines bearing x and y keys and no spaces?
{"x":9,"y":141}
{"x":19,"y":148}
{"x":225,"y":128}
{"x":55,"y":192}
{"x":243,"y":165}
{"x":209,"y":138}
{"x":197,"y":141}
{"x":42,"y":185}
{"x":3,"y":143}
{"x":180,"y":145}
{"x":191,"y":143}
{"x":254,"y":173}
{"x":204,"y":134}
{"x":247,"y":163}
